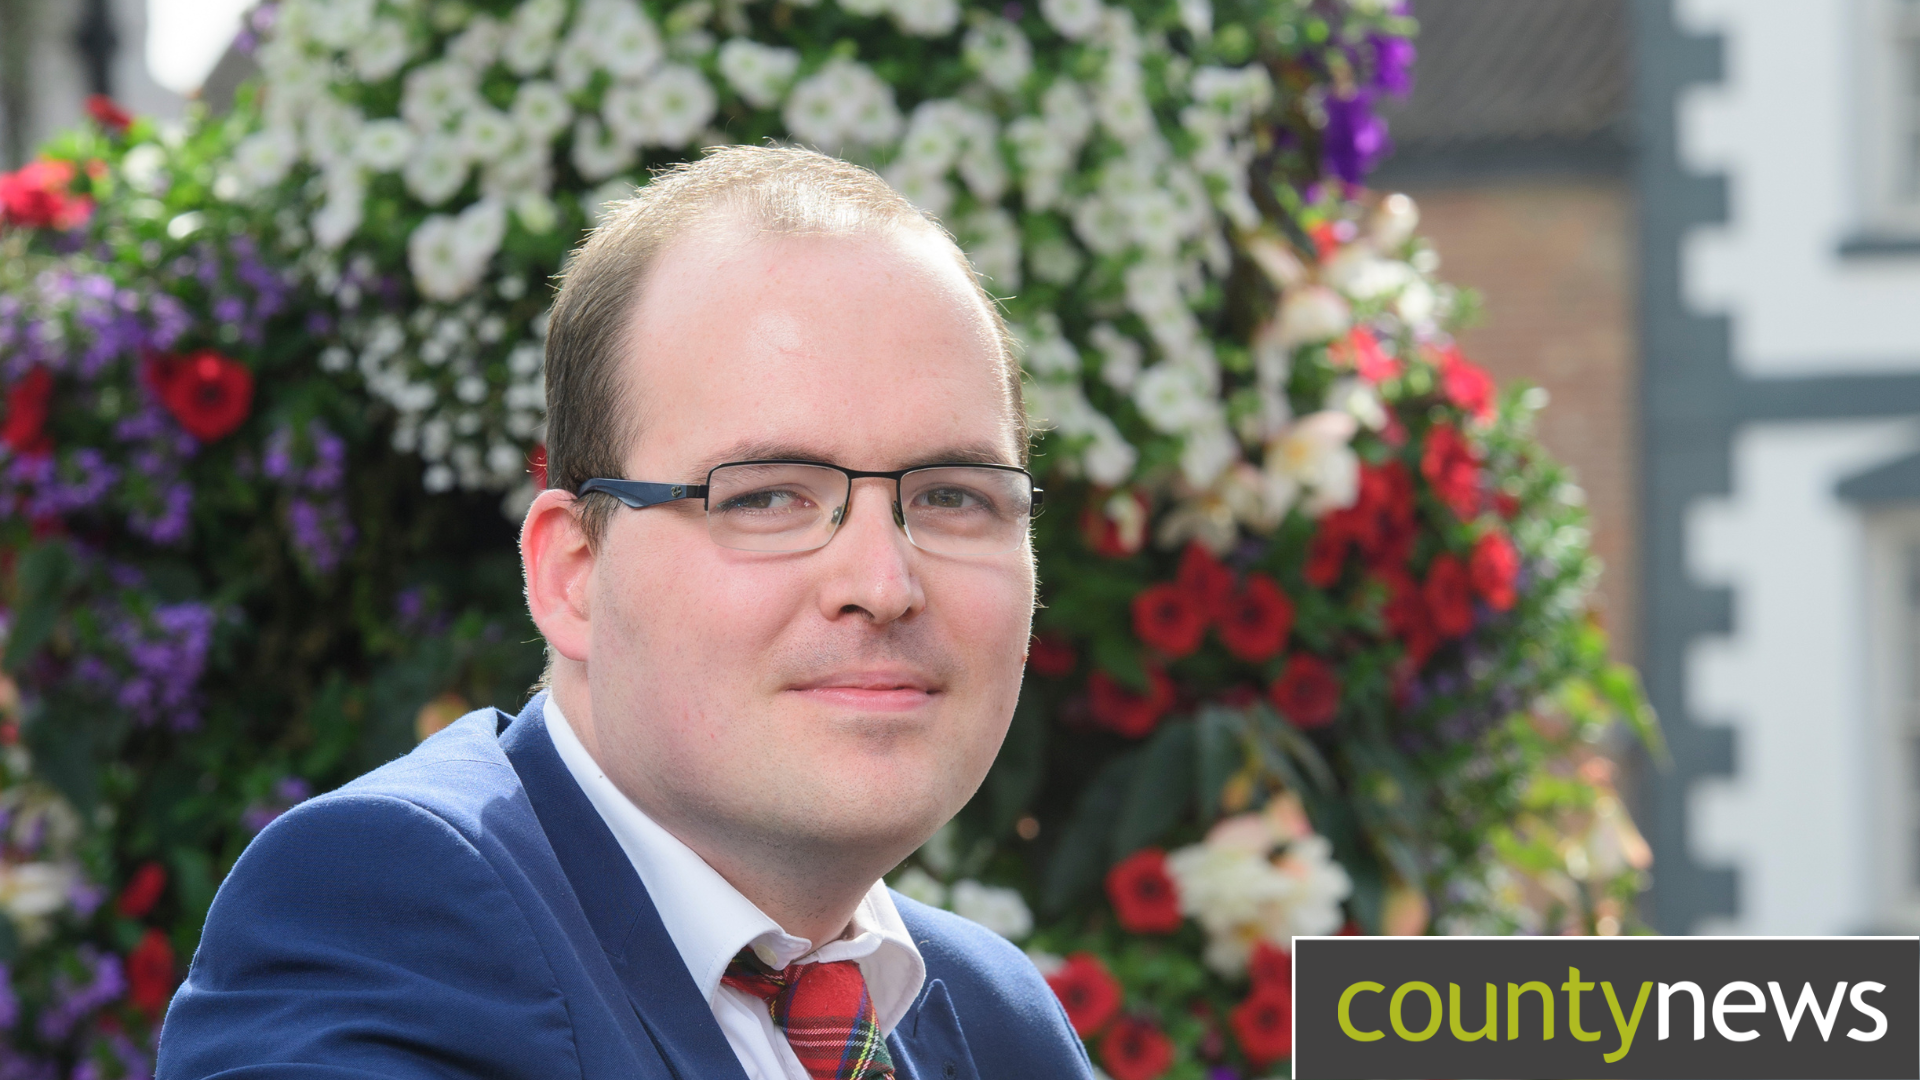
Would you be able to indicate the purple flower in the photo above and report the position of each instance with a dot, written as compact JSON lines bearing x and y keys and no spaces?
{"x":72,"y":1004}
{"x":257,"y":817}
{"x":167,"y":654}
{"x":293,"y":789}
{"x":1355,"y":138}
{"x":9,"y":1004}
{"x":1392,"y":64}
{"x":85,"y":898}
{"x":229,"y":309}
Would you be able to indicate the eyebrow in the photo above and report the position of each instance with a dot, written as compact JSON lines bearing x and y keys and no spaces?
{"x":973,"y":454}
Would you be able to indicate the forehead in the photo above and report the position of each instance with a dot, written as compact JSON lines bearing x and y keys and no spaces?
{"x":870,"y":351}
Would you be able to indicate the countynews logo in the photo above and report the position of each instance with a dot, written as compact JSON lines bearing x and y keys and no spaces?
{"x":1755,"y":1008}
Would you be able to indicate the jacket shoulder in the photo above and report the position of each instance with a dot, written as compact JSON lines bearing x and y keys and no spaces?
{"x":1012,"y":1019}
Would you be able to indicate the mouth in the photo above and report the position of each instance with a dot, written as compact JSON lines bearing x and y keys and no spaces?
{"x":869,"y":691}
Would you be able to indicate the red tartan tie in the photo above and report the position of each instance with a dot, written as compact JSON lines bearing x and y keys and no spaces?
{"x":826,"y":1012}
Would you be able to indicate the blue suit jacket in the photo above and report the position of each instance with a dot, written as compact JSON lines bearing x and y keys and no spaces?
{"x":464,"y":912}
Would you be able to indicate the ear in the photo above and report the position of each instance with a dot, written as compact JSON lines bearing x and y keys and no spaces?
{"x":558,"y":563}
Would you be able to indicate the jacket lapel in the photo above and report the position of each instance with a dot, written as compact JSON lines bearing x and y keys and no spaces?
{"x":617,"y":907}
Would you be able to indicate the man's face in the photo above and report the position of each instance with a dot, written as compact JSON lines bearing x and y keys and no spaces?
{"x":855,"y":695}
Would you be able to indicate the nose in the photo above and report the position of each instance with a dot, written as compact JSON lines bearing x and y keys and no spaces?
{"x":867,"y":570}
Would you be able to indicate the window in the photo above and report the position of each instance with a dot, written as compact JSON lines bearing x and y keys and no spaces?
{"x":1893,"y":767}
{"x":1890,"y":117}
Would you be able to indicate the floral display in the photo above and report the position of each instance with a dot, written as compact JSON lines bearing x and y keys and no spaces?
{"x":1313,"y":655}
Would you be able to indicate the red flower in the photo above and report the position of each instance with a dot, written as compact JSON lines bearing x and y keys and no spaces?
{"x":1492,"y":567}
{"x":1255,"y":621}
{"x":1136,"y":1049}
{"x":1448,"y":596}
{"x":537,"y":465}
{"x":150,"y":973}
{"x":1362,"y":351}
{"x":1088,"y":990}
{"x":108,"y":114}
{"x":1466,"y":384}
{"x":1307,"y":692}
{"x":1506,"y":505}
{"x":1264,"y":1023}
{"x":1407,"y":617}
{"x":1271,"y":965}
{"x":1170,"y":619}
{"x":1116,"y":535}
{"x":207,"y":392}
{"x":1051,"y":655}
{"x":1144,"y":896}
{"x":25,"y":429}
{"x":1206,"y":577}
{"x":36,"y":197}
{"x":1124,"y":712}
{"x":1327,"y":554}
{"x":1453,"y":470}
{"x":143,"y":890}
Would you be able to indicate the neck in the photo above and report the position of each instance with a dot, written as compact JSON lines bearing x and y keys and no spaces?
{"x":810,"y":892}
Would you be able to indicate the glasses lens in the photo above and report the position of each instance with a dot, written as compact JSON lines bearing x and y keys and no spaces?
{"x":774,"y":507}
{"x":967,"y":511}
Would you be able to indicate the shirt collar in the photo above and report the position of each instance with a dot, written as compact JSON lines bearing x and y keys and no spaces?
{"x":710,"y":922}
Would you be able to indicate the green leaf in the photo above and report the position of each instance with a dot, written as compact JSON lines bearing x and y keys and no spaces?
{"x":1119,"y":656}
{"x":1217,"y":755}
{"x":1161,"y":790}
{"x":9,"y":939}
{"x":1079,"y":859}
{"x":1620,"y":686}
{"x":193,"y":883}
{"x":1283,"y":738}
{"x":45,"y":575}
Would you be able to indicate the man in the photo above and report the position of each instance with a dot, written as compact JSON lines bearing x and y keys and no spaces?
{"x":785,"y":581}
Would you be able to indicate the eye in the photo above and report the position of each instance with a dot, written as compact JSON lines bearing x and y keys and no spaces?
{"x":766,"y":500}
{"x":950,"y":497}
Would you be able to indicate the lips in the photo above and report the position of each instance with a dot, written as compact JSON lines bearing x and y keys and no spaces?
{"x":869,"y":691}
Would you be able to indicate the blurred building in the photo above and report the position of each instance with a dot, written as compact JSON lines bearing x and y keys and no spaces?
{"x":1697,"y":224}
{"x":55,"y":53}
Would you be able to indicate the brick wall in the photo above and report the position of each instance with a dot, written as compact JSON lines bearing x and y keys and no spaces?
{"x":1554,"y":261}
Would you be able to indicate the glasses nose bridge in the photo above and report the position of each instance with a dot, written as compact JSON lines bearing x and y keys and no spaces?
{"x":893,"y":497}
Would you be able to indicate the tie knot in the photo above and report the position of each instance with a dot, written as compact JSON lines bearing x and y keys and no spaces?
{"x":825,"y":1011}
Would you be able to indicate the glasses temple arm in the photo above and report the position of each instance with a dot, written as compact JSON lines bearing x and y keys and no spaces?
{"x":639,"y":494}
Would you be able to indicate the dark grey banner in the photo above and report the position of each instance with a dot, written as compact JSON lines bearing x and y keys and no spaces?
{"x":1629,"y":1008}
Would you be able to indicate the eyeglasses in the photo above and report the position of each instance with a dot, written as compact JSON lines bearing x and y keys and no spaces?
{"x":793,"y":506}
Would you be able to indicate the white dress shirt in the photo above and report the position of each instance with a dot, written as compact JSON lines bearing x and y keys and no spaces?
{"x":710,"y":922}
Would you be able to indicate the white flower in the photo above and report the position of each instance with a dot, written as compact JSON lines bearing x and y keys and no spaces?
{"x":531,"y":35}
{"x":522,"y":170}
{"x":622,"y":36}
{"x":926,"y":18}
{"x":479,"y":44}
{"x":1055,"y":261}
{"x":485,"y":133}
{"x":1416,"y":303}
{"x":1047,"y":964}
{"x":923,"y":187}
{"x":1206,"y":452}
{"x":1197,"y":17}
{"x":449,"y":254}
{"x":1174,"y":398}
{"x":433,"y":94}
{"x":992,"y":242}
{"x":575,"y":64}
{"x":1121,"y":356}
{"x":540,"y":110}
{"x":1393,"y":222}
{"x":1241,"y":892}
{"x":842,"y":102}
{"x":596,"y":154}
{"x":1154,"y":220}
{"x":339,"y":23}
{"x":1362,"y":275}
{"x":263,"y":158}
{"x":34,"y":890}
{"x":342,"y":212}
{"x":382,"y":51}
{"x":332,"y":128}
{"x":1102,"y":225}
{"x":758,"y":73}
{"x":1002,"y":911}
{"x":676,"y":103}
{"x":1311,"y":314}
{"x":596,"y":202}
{"x":1354,"y":396}
{"x":1068,"y":113}
{"x":999,"y":52}
{"x":1074,"y":19}
{"x":933,"y":135}
{"x":1049,"y":355}
{"x":1109,"y":459}
{"x":866,"y":8}
{"x":1234,"y":93}
{"x":1316,"y":453}
{"x":437,"y":169}
{"x":384,"y":145}
{"x":916,"y":884}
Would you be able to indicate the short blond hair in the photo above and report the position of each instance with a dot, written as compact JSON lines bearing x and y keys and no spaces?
{"x":771,"y":191}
